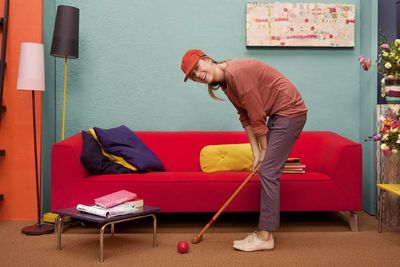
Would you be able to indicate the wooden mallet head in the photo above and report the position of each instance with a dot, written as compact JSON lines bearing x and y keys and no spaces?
{"x":196,"y":239}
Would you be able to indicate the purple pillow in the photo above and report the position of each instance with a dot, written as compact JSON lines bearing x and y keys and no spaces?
{"x":121,"y":141}
{"x":94,"y":161}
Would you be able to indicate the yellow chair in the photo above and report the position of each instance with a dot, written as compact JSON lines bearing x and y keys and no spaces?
{"x":392,"y":188}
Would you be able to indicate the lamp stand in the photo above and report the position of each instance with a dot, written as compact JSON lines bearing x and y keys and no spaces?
{"x":38,"y":228}
{"x":64,"y":99}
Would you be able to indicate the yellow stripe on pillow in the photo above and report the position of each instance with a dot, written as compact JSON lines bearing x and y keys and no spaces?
{"x":227,"y":157}
{"x":116,"y":159}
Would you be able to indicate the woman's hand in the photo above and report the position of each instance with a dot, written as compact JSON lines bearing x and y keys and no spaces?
{"x":258,"y":146}
{"x":262,"y":154}
{"x":256,"y":161}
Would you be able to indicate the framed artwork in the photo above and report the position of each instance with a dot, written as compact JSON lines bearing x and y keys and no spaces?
{"x":300,"y":24}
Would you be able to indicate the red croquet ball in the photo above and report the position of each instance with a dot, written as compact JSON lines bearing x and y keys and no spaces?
{"x":182,"y":246}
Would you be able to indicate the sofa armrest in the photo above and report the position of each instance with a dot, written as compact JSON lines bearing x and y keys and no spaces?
{"x":337,"y":157}
{"x":347,"y":177}
{"x":67,"y":171}
{"x":322,"y":151}
{"x":336,"y":150}
{"x":341,"y":159}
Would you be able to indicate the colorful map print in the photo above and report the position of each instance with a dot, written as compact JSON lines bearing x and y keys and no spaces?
{"x":300,"y":24}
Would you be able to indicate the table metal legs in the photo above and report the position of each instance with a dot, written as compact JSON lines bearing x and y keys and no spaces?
{"x":112,"y":229}
{"x":154,"y":230}
{"x":58,"y":227}
{"x":101,"y":256}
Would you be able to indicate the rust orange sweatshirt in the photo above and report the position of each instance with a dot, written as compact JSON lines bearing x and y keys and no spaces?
{"x":257,"y":90}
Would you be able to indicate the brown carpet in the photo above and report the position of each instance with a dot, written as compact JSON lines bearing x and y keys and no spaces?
{"x":304,"y":239}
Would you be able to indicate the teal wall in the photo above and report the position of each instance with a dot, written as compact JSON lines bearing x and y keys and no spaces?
{"x":129,"y":72}
{"x":49,"y":102}
{"x":368,"y":100}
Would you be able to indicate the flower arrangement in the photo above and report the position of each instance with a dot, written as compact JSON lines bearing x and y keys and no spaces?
{"x":387,"y":64}
{"x":389,"y":134}
{"x":388,"y":61}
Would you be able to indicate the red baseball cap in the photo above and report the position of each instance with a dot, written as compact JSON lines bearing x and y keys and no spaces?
{"x":189,"y":61}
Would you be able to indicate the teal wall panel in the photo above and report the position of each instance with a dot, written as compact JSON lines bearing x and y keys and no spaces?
{"x":49,"y":102}
{"x":368,"y":100}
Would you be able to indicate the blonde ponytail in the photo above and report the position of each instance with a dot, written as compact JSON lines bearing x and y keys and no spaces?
{"x":214,"y":87}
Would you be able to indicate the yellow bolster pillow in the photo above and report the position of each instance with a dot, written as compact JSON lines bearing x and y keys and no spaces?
{"x":227,"y":157}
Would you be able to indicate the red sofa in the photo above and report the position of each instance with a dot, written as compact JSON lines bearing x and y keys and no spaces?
{"x":332,"y":181}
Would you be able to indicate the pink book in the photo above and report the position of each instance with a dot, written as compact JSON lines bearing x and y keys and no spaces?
{"x":114,"y":199}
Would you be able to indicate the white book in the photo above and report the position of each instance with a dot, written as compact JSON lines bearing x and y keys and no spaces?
{"x":110,"y":212}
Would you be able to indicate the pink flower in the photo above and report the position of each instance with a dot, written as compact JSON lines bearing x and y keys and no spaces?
{"x":365,"y":62}
{"x":361,"y":59}
{"x":376,"y":137}
{"x":384,"y":46}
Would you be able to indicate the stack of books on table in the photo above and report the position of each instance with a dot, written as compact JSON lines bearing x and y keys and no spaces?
{"x":114,"y":204}
{"x":294,"y":165}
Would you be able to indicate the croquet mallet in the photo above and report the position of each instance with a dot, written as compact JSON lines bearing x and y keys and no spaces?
{"x":199,"y":236}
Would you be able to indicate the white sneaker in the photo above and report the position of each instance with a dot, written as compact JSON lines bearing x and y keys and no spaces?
{"x":251,"y":235}
{"x":254,"y":244}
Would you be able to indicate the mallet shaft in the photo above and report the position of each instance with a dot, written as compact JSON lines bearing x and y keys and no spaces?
{"x":199,"y":236}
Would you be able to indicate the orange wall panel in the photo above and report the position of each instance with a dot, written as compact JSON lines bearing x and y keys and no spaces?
{"x":17,"y":174}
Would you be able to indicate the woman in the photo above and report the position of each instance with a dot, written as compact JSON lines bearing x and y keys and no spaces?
{"x":257,"y":91}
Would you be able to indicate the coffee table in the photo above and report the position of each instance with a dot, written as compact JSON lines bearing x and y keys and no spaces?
{"x":142,"y":212}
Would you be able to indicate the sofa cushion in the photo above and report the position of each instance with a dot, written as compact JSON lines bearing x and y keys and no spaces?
{"x":226,"y":157}
{"x":94,"y":161}
{"x":121,"y":141}
{"x":201,"y":177}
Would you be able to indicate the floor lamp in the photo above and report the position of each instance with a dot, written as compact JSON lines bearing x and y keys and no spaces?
{"x":31,"y":77}
{"x":65,"y":44}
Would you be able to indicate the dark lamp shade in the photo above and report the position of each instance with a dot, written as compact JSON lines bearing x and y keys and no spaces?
{"x":66,"y":33}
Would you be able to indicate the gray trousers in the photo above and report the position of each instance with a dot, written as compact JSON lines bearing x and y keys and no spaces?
{"x":282,"y":134}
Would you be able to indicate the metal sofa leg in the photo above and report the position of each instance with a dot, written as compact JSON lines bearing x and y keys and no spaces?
{"x":353,"y":221}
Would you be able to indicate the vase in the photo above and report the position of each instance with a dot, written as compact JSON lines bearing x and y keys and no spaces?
{"x":390,"y":89}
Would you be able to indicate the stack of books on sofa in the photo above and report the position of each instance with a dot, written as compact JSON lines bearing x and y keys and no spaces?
{"x":293,"y":165}
{"x":114,"y":204}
